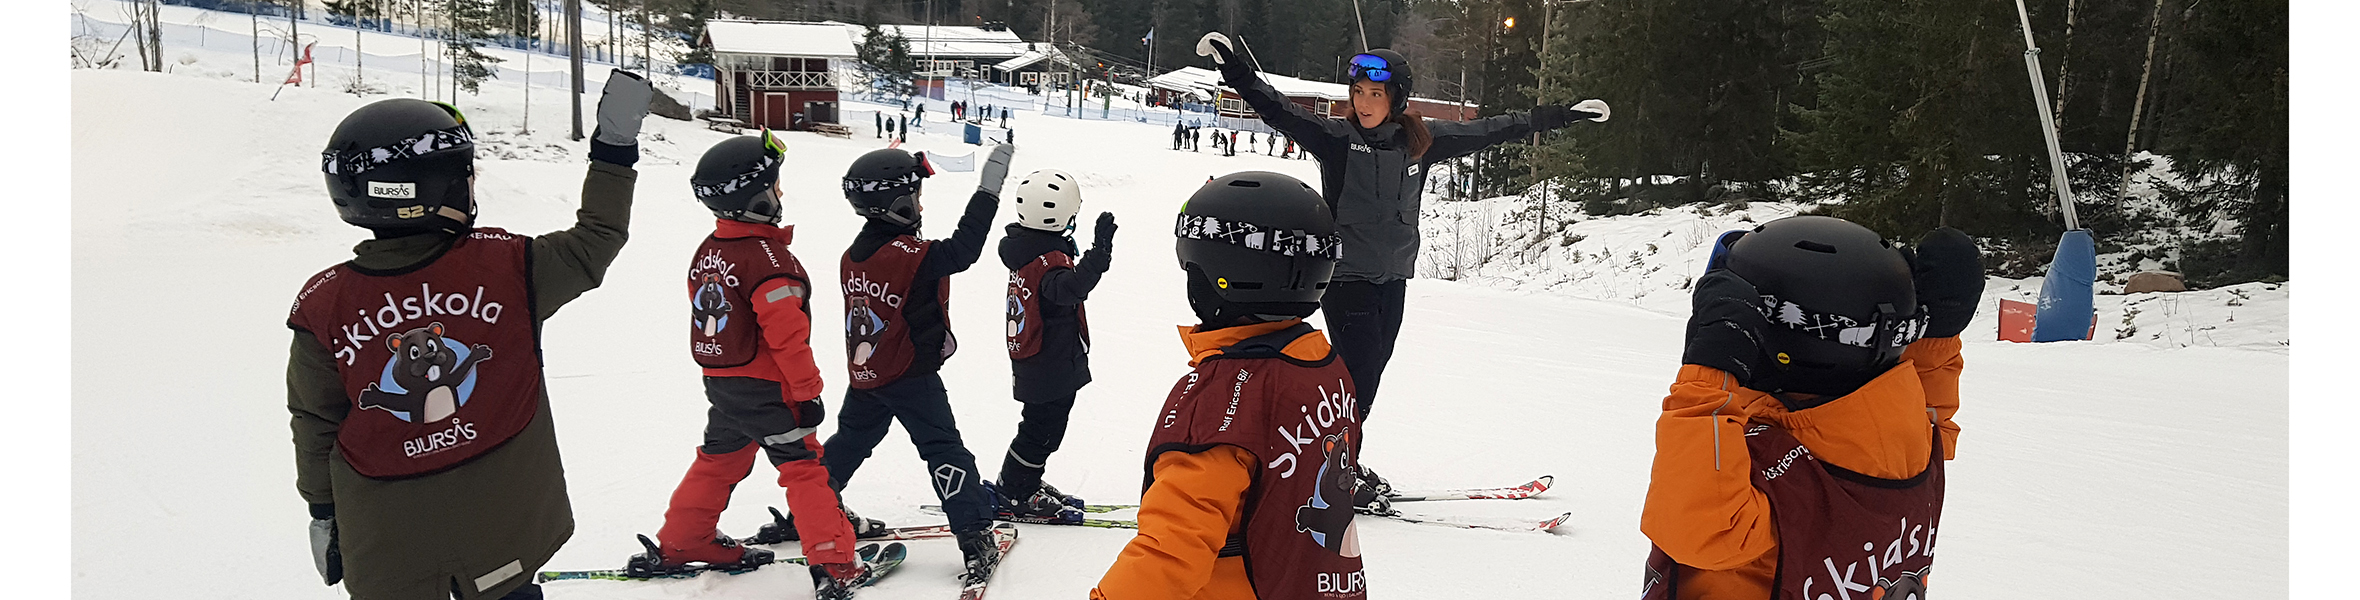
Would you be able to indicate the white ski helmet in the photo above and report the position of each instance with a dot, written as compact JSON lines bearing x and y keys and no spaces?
{"x":1047,"y":200}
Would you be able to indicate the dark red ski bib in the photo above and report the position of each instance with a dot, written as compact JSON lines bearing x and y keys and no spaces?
{"x":1026,"y":324}
{"x":721,"y":283}
{"x":1296,"y":418}
{"x":1840,"y":534}
{"x":441,"y":363}
{"x":878,"y":346}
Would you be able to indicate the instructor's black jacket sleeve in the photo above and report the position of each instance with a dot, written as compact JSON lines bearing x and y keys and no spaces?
{"x":950,"y":256}
{"x":1321,"y":136}
{"x":1453,"y":139}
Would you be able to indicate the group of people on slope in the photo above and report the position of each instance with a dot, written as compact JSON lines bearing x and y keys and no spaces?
{"x":1187,"y":136}
{"x":1811,"y":416}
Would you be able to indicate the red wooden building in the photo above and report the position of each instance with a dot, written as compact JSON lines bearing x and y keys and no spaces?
{"x":777,"y":75}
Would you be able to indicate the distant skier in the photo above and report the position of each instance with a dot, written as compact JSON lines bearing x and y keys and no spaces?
{"x":423,"y":438}
{"x":1179,"y":135}
{"x":753,"y":340}
{"x":1808,"y":429}
{"x":1251,"y":461}
{"x":1372,"y":169}
{"x":1229,"y":148}
{"x":897,"y":335}
{"x":1048,"y":333}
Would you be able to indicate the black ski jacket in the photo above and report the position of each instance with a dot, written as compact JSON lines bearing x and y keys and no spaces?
{"x":1366,"y":175}
{"x":1063,"y":363}
{"x":947,"y":257}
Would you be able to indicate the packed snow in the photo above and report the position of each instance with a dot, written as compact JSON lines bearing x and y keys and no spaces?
{"x":2090,"y":469}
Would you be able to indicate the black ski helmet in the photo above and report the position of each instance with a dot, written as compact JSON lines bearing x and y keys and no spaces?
{"x":1839,"y":299}
{"x":1385,"y":66}
{"x":735,"y":177}
{"x":1256,"y":245}
{"x":402,"y":164}
{"x":884,"y":185}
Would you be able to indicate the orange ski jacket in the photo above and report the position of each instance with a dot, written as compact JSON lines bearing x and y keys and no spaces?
{"x":1702,"y":508}
{"x":1197,"y":501}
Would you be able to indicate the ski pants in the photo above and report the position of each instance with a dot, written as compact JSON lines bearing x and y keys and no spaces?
{"x":924,"y":409}
{"x":1037,"y":436}
{"x":747,"y":412}
{"x":1364,"y":318}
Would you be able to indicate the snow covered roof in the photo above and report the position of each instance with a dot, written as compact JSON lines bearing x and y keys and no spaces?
{"x":952,"y":41}
{"x":1030,"y":58}
{"x":779,"y":38}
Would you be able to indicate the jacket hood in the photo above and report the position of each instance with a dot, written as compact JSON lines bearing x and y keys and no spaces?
{"x":1881,"y":430}
{"x":1023,"y":244}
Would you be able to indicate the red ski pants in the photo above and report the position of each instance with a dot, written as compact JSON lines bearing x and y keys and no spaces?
{"x":746,"y":413}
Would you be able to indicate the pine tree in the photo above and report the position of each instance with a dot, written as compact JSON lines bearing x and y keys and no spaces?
{"x":2224,"y":124}
{"x":886,"y":62}
{"x":472,"y":22}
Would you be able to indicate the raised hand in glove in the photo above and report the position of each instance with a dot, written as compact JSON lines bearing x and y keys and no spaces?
{"x":1101,"y":254}
{"x":325,"y":555}
{"x":621,"y":108}
{"x":1948,"y":271}
{"x":1217,"y":46}
{"x":1725,"y":331}
{"x":995,"y":169}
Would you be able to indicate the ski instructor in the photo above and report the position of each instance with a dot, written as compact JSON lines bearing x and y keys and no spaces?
{"x":1372,"y":172}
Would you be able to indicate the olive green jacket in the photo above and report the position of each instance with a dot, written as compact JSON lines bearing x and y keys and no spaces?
{"x":480,"y":529}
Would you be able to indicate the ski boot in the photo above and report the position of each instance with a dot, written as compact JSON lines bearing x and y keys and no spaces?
{"x":781,"y":528}
{"x":1375,"y":496}
{"x":837,"y":581}
{"x":1051,"y":490}
{"x":719,"y":554}
{"x":1045,"y":505}
{"x":983,"y":555}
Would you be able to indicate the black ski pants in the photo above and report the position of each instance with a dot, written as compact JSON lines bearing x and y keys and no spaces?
{"x":1037,"y":436}
{"x":1364,"y":319}
{"x":924,"y":409}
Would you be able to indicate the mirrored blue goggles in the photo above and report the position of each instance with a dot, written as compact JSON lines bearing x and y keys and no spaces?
{"x":1374,"y":67}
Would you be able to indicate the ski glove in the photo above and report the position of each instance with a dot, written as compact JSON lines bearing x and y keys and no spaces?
{"x":995,"y":169}
{"x":1101,"y":254}
{"x":1948,"y":271}
{"x":1217,"y":46}
{"x":325,"y":555}
{"x":1725,"y":331}
{"x":621,"y":108}
{"x":1596,"y":108}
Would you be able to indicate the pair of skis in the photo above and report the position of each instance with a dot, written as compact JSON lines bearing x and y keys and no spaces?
{"x":882,"y":560}
{"x":1528,"y":490}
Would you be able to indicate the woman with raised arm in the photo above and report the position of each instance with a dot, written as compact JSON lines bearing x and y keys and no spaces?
{"x":1372,"y":172}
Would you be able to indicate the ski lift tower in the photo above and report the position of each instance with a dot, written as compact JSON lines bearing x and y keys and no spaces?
{"x":2067,"y":297}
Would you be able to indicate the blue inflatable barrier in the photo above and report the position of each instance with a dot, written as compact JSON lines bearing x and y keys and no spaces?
{"x":2067,"y":310}
{"x":974,"y":134}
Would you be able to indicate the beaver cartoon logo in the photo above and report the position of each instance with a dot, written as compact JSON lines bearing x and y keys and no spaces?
{"x":1015,"y":316}
{"x":863,"y":329}
{"x":710,"y":307}
{"x":1327,"y":516}
{"x":429,"y":378}
{"x":1907,"y":586}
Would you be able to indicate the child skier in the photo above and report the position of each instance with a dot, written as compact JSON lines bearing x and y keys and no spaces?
{"x":897,"y":335}
{"x":1048,"y":334}
{"x":750,"y":329}
{"x":1253,"y":461}
{"x":1807,"y":430}
{"x":423,"y":440}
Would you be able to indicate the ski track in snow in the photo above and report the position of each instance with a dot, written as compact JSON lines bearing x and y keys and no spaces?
{"x":2085,"y":469}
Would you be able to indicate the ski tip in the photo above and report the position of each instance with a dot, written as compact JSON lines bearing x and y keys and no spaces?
{"x":1545,"y":481}
{"x":1552,"y":524}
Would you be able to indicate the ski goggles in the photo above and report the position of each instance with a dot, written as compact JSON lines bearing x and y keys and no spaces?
{"x":774,"y":152}
{"x":1886,"y":333}
{"x":1283,"y":242}
{"x":360,"y":161}
{"x":1371,"y":66}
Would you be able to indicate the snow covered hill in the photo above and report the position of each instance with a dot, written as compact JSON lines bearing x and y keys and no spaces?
{"x":2108,"y":470}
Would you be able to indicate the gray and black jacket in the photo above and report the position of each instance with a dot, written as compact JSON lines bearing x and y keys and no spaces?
{"x":1367,"y":175}
{"x":482,"y":528}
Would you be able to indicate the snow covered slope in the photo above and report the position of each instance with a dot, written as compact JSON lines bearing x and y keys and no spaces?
{"x":2086,"y":470}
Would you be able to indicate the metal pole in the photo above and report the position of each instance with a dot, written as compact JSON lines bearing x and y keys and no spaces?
{"x":573,"y":29}
{"x":2048,"y":123}
{"x":1356,"y":20}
